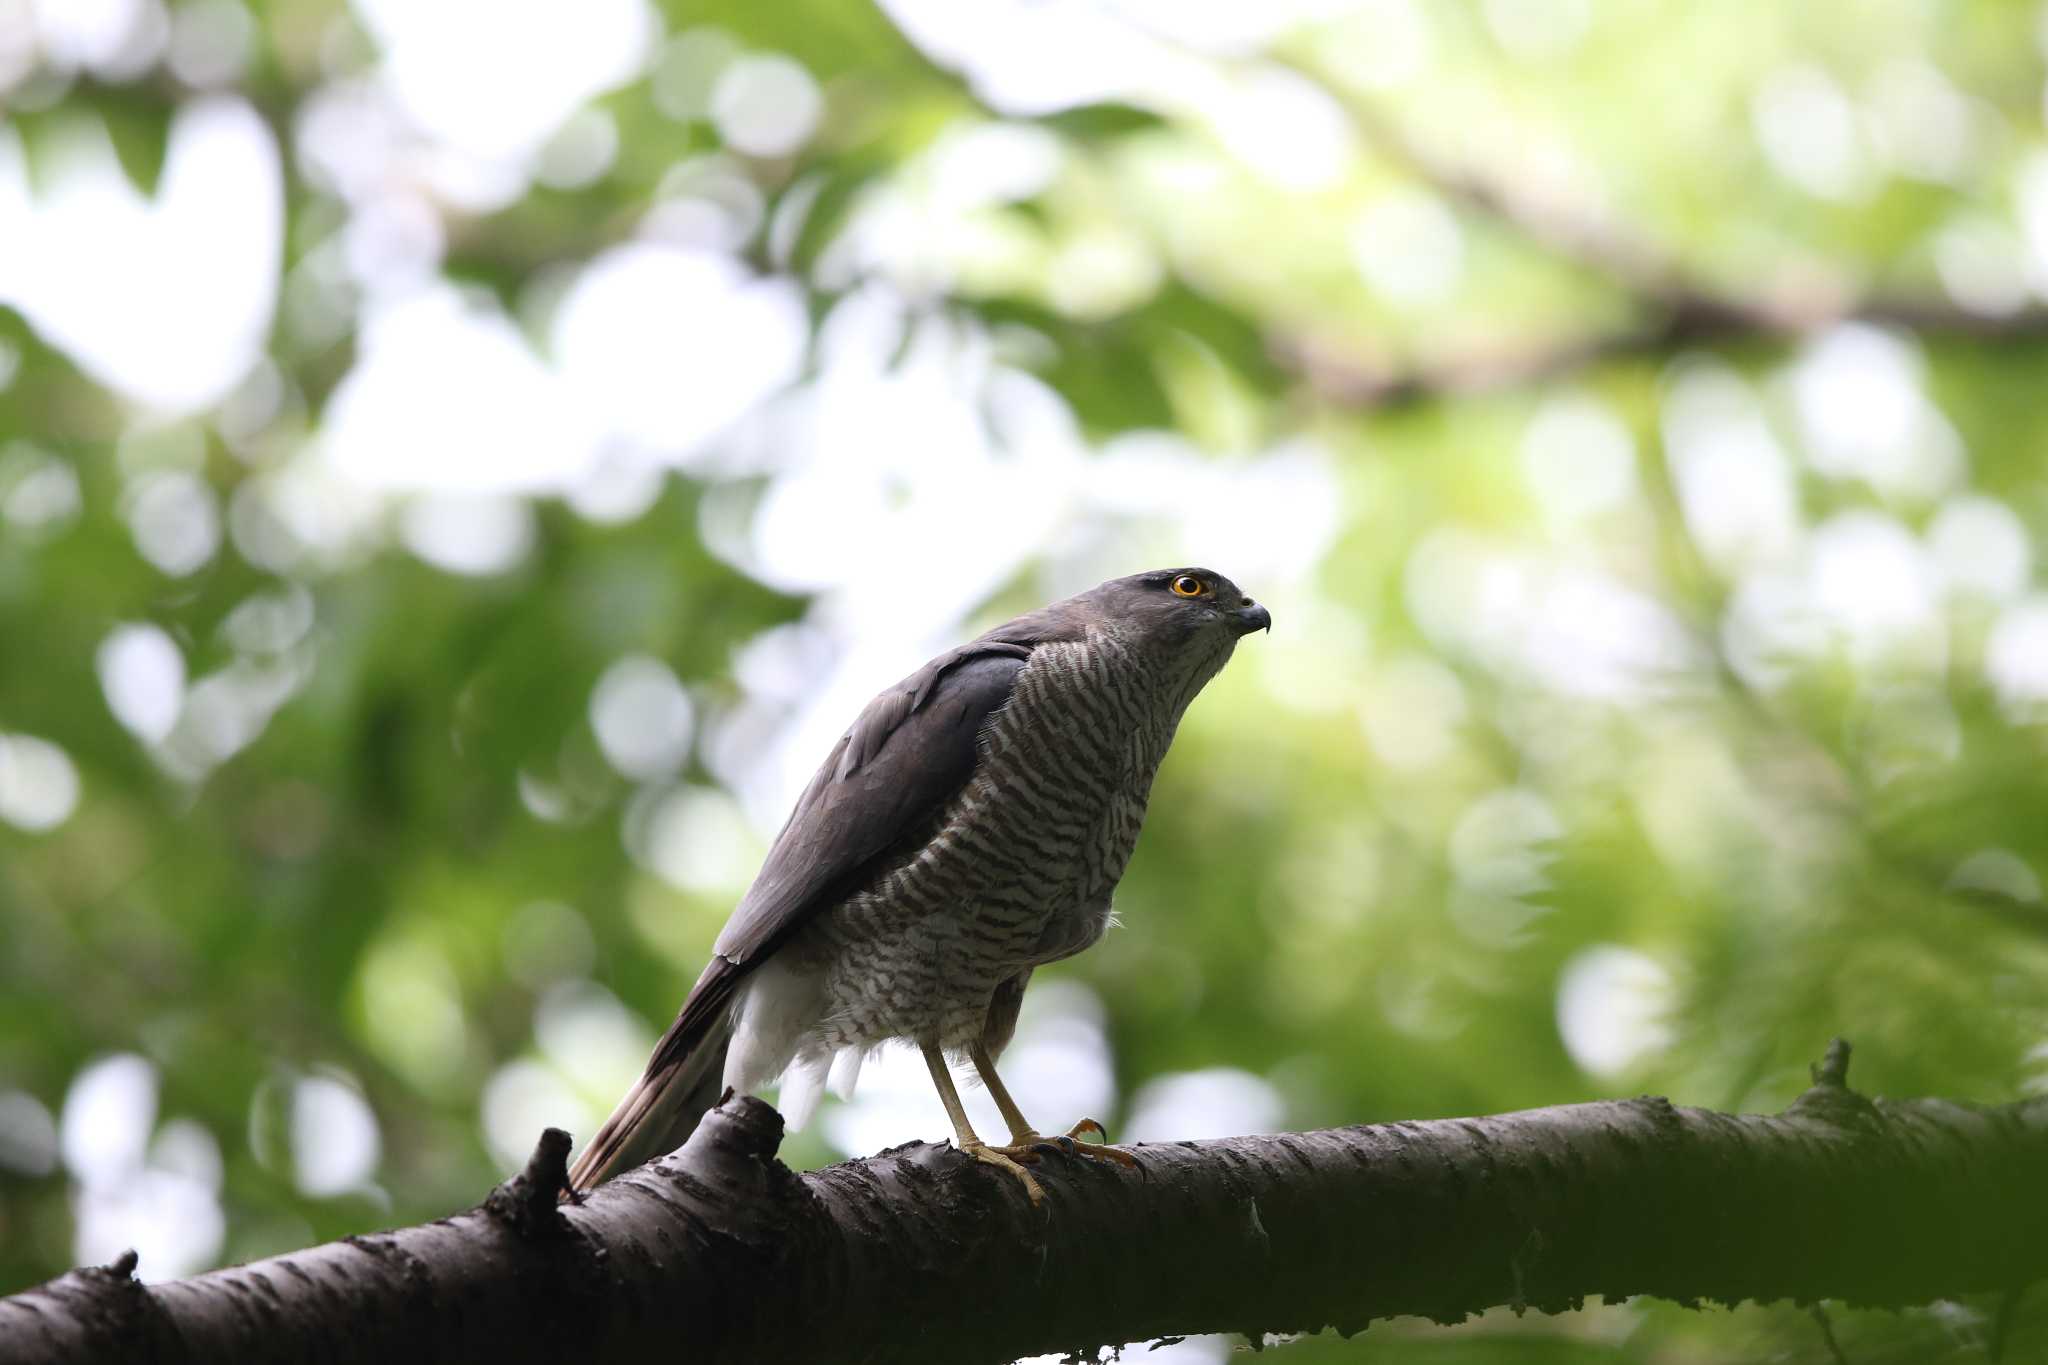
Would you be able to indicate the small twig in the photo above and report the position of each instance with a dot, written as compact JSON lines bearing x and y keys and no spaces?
{"x":1829,"y":1098}
{"x":1827,"y":1328}
{"x":1833,"y":1067}
{"x":527,"y":1201}
{"x":2001,"y":1324}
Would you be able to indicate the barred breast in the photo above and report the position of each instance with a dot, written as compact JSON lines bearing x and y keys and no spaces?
{"x":1021,"y":866}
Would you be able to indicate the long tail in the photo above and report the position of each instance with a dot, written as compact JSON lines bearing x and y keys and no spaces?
{"x":683,"y":1079}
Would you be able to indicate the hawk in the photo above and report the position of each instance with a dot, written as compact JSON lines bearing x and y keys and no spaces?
{"x":966,"y":830}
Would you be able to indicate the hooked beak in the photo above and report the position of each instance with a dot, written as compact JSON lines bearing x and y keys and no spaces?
{"x":1252,"y":617}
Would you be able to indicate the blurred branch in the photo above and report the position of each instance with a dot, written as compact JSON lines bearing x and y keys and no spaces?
{"x":1675,"y":307}
{"x":719,"y":1252}
{"x":2021,"y":916}
{"x":2001,"y":1325}
{"x":1827,"y":1334}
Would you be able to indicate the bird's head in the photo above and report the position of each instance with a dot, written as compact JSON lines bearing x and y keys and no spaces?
{"x":1179,"y":604}
{"x":1188,"y":620}
{"x":1192,"y":615}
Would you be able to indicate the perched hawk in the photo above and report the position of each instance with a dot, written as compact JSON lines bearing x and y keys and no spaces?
{"x":968,"y":828}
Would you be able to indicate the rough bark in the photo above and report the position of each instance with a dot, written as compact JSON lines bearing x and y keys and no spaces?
{"x":719,"y":1252}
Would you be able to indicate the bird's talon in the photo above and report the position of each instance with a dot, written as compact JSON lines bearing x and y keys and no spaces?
{"x":1029,"y":1148}
{"x":1006,"y":1160}
{"x":1100,"y":1150}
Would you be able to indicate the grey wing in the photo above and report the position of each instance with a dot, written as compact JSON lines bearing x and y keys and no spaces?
{"x":908,"y":755}
{"x":910,"y":752}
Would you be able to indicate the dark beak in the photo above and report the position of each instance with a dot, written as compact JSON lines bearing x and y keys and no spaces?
{"x":1253,"y":617}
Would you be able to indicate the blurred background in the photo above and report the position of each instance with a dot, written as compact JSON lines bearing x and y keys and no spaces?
{"x":462,"y":463}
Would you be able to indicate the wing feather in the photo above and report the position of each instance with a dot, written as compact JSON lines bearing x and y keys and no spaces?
{"x":908,"y":755}
{"x":910,"y":752}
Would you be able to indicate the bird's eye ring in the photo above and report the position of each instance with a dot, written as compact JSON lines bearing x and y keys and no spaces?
{"x":1187,"y":585}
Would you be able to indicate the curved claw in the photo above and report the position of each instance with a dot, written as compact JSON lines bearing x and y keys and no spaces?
{"x":1059,"y":1142}
{"x":1101,"y":1150}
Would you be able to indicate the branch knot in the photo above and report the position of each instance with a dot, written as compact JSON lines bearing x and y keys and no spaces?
{"x":1829,"y":1097}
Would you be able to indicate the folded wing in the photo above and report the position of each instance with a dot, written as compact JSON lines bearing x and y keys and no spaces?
{"x":874,"y":800}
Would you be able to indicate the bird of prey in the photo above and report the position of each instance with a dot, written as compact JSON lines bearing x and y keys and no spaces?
{"x":967,"y":829}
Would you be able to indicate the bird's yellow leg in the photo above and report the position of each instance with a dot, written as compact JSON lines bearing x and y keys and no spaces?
{"x":1025,"y":1141}
{"x":963,"y":1132}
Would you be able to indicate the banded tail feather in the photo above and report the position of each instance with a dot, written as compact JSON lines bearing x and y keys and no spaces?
{"x":684,"y":1079}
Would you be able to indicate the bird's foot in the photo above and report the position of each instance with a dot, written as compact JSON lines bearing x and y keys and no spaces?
{"x":1028,"y":1146}
{"x":1012,"y":1160}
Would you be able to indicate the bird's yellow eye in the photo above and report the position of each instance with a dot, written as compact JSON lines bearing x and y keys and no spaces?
{"x":1187,"y":585}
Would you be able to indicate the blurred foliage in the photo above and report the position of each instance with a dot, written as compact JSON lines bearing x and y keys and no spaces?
{"x":1742,"y":711}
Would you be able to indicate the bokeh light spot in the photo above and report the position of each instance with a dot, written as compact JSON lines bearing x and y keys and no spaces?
{"x":176,"y":521}
{"x":38,"y":783}
{"x":1410,"y":248}
{"x":766,"y":106}
{"x":642,"y":717}
{"x":142,"y":674}
{"x":334,"y":1136}
{"x":1612,"y":1008}
{"x":28,"y":1135}
{"x":1212,"y":1103}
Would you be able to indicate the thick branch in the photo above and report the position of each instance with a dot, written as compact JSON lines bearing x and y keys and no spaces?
{"x":719,"y":1252}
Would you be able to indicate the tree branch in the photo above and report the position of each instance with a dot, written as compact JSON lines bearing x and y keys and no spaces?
{"x":1675,"y":308}
{"x":718,"y":1252}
